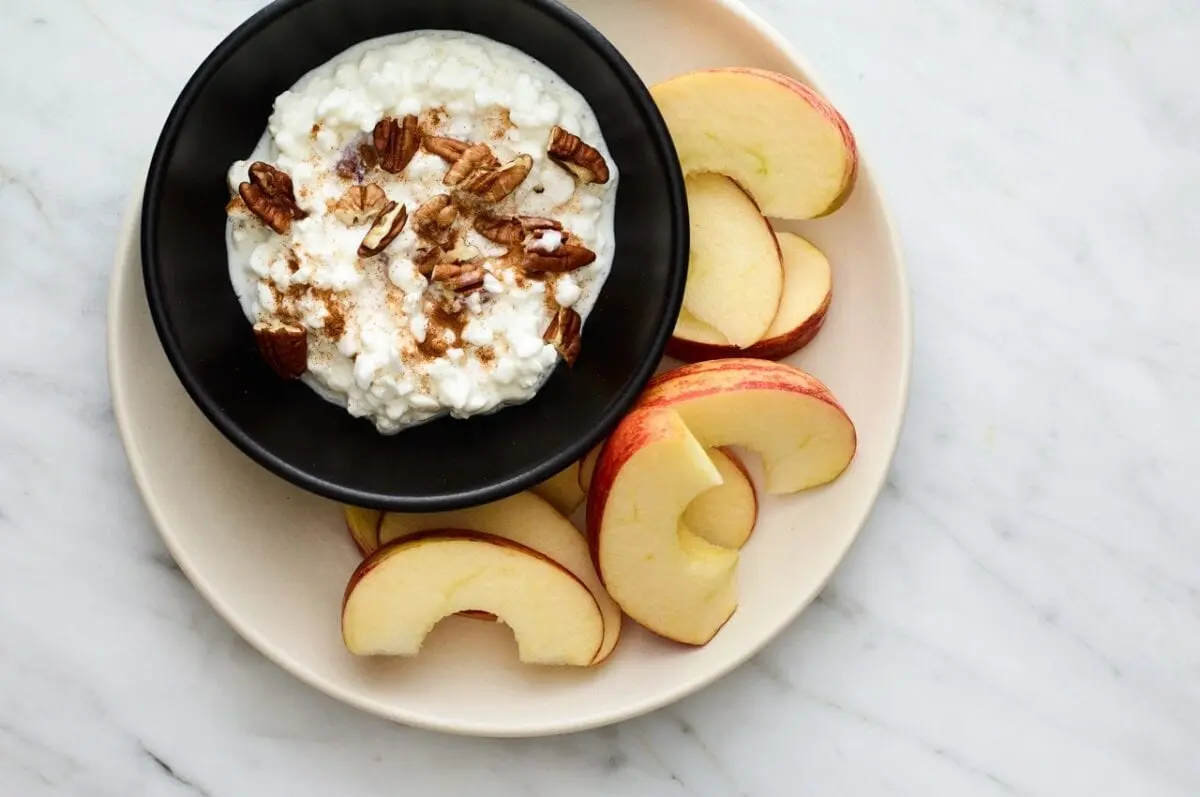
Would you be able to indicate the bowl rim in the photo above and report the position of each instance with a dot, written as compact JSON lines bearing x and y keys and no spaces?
{"x":659,"y":138}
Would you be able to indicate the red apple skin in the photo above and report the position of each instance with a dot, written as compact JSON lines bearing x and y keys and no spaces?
{"x":718,"y":376}
{"x":387,"y":551}
{"x":774,"y":348}
{"x":698,"y":380}
{"x":827,"y":110}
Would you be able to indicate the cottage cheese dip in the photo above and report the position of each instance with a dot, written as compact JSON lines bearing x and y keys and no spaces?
{"x":423,"y":228}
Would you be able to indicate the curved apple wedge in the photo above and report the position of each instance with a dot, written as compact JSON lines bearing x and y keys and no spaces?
{"x":363,"y":525}
{"x":527,"y":520}
{"x":735,"y":268}
{"x":401,"y":592}
{"x":661,"y":574}
{"x":782,"y":141}
{"x":563,"y":490}
{"x":807,"y":294}
{"x":726,"y":514}
{"x":787,"y":416}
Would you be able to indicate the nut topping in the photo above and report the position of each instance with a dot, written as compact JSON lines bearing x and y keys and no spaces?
{"x":448,"y":149}
{"x":567,"y":257}
{"x":283,"y":346}
{"x":359,"y":204}
{"x":500,"y":229}
{"x":397,"y":142}
{"x":387,"y":226}
{"x":564,"y":334}
{"x":582,"y":160}
{"x":459,"y":278}
{"x":435,"y":219}
{"x":473,"y":159}
{"x":493,"y":186}
{"x":512,"y":229}
{"x":271,"y":196}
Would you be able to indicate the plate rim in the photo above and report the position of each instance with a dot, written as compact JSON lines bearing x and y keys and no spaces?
{"x":127,"y":246}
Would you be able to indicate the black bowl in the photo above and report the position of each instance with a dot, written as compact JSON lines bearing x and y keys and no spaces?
{"x":286,"y":427}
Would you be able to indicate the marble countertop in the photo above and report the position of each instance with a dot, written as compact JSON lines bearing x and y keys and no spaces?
{"x":1022,"y":614}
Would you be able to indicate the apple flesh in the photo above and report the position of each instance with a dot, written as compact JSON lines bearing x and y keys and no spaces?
{"x":784,"y":143}
{"x":787,"y":416}
{"x":807,"y":293}
{"x":726,"y":514}
{"x":527,"y":520}
{"x":403,"y":590}
{"x":587,"y":467}
{"x":735,"y":270}
{"x":363,"y":525}
{"x":661,"y":574}
{"x":562,"y":490}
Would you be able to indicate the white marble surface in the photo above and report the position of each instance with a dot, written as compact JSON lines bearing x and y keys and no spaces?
{"x":1021,"y":616}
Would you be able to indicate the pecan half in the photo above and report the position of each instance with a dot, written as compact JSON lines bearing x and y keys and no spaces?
{"x":448,"y":149}
{"x":435,"y":219}
{"x":459,"y":278}
{"x":565,"y":333}
{"x":493,"y":186}
{"x":580,"y":159}
{"x":359,"y":204}
{"x":387,"y":226}
{"x":500,"y":229}
{"x":271,"y":196}
{"x":566,"y":257}
{"x":283,"y":346}
{"x":537,"y":223}
{"x":473,"y":159}
{"x":511,"y":229}
{"x":397,"y":142}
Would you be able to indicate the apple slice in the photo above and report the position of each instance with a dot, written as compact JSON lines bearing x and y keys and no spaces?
{"x":363,"y":525}
{"x":735,"y":270}
{"x":807,"y":292}
{"x":527,"y":520}
{"x":660,"y":573}
{"x":783,"y":142}
{"x":726,"y":514}
{"x":787,"y":416}
{"x":403,"y":590}
{"x":562,"y":490}
{"x":587,"y":467}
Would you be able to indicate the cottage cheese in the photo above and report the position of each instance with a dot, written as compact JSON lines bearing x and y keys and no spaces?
{"x":380,"y":340}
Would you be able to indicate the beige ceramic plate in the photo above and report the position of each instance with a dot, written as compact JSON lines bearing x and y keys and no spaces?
{"x":274,"y":560}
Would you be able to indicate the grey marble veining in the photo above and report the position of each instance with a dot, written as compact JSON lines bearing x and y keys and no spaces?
{"x":1020,"y":617}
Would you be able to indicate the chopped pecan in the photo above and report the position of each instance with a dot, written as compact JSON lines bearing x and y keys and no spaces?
{"x":448,"y":149}
{"x":435,"y":219}
{"x":426,"y":259}
{"x":397,"y":142}
{"x":283,"y":346}
{"x":582,"y":160}
{"x":459,"y":278}
{"x":271,"y":196}
{"x":387,"y":226}
{"x":473,"y":159}
{"x":368,"y":154}
{"x":565,"y":333}
{"x":359,"y":204}
{"x":566,"y":257}
{"x":493,"y":186}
